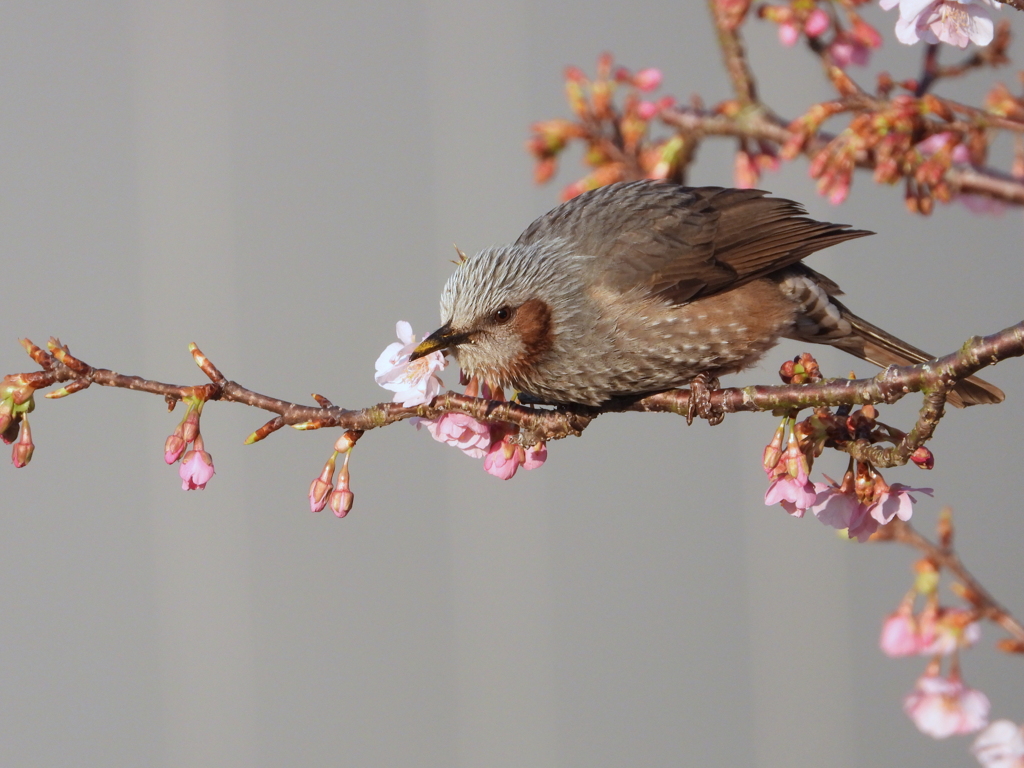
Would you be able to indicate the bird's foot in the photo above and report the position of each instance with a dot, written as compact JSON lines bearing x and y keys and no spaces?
{"x":699,"y":404}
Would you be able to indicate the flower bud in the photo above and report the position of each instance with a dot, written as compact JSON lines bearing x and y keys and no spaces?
{"x":773,"y":451}
{"x":6,"y":415}
{"x":341,"y":501}
{"x":174,"y":447}
{"x":23,"y":449}
{"x":190,"y":425}
{"x":923,"y":458}
{"x":647,"y":80}
{"x":816,"y":23}
{"x":318,"y":492}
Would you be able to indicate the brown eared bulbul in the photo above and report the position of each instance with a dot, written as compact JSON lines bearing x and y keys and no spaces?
{"x":640,"y":287}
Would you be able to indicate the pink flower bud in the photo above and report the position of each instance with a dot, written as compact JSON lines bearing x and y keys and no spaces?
{"x":773,"y":451}
{"x":23,"y":449}
{"x":923,"y":458}
{"x":816,"y":23}
{"x":318,"y":492}
{"x":190,"y":426}
{"x":174,"y":447}
{"x":321,"y":487}
{"x":341,"y":501}
{"x":788,"y":34}
{"x":647,"y":79}
{"x":6,"y":415}
{"x":647,"y":110}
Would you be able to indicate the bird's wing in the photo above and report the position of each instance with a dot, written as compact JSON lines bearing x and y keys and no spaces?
{"x":683,"y":243}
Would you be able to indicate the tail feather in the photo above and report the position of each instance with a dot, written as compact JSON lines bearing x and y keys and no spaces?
{"x":871,"y":343}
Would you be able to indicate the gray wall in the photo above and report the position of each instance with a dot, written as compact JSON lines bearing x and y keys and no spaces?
{"x":280,"y":183}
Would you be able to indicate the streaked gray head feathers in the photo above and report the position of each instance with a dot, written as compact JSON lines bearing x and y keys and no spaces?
{"x":508,"y":276}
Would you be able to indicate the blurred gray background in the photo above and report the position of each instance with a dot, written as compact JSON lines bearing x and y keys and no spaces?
{"x":281,"y":182}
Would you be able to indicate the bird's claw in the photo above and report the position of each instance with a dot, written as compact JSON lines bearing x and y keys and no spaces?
{"x":699,"y":403}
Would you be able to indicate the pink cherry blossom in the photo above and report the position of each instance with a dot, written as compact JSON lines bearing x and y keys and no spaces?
{"x":789,"y":483}
{"x":1001,"y":745}
{"x":948,"y":630}
{"x":504,"y":458}
{"x":942,"y":707}
{"x":647,"y":80}
{"x":955,"y":22}
{"x":413,"y":382}
{"x":899,"y":634}
{"x":896,"y":502}
{"x":835,"y":508}
{"x":470,"y":436}
{"x":536,"y":456}
{"x":862,"y":526}
{"x":196,"y":468}
{"x":795,"y":496}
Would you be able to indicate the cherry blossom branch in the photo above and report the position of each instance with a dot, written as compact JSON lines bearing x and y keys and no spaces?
{"x":936,"y":146}
{"x":944,"y":556}
{"x":727,"y":22}
{"x":761,"y":126}
{"x":890,"y":385}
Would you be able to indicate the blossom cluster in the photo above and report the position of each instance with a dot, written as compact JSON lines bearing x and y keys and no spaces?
{"x":617,"y":146}
{"x":17,"y":400}
{"x":940,"y":705}
{"x":844,"y":42}
{"x":414,"y":383}
{"x":324,"y":491}
{"x":859,"y":505}
{"x":196,"y":467}
{"x":891,"y":134}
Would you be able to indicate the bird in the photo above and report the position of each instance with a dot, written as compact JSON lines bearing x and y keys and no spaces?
{"x":640,"y":287}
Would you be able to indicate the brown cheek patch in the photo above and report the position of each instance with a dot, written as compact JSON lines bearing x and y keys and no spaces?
{"x":532,"y":323}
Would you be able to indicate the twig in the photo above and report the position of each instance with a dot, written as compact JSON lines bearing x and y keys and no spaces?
{"x":904,"y":533}
{"x":890,"y":385}
{"x":982,"y":181}
{"x":734,"y":56}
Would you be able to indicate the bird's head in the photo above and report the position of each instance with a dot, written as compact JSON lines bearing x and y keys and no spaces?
{"x":501,"y":310}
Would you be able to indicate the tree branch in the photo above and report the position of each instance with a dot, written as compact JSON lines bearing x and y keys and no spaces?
{"x":946,"y":557}
{"x":933,"y":378}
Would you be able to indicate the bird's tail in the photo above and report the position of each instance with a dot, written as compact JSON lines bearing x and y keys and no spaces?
{"x":871,"y":343}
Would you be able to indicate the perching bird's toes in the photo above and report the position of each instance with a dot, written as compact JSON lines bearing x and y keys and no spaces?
{"x":699,"y":404}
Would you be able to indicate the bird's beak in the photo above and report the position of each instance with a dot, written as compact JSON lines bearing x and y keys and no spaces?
{"x":443,"y":338}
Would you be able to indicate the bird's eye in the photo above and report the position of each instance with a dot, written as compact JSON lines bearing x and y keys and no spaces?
{"x":503,"y":315}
